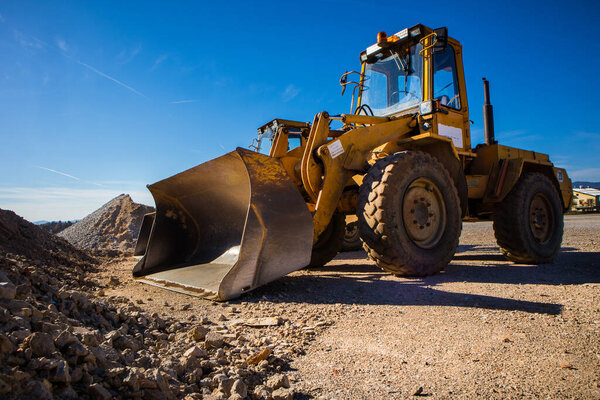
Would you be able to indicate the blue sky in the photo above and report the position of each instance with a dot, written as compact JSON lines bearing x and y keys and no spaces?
{"x":102,"y":98}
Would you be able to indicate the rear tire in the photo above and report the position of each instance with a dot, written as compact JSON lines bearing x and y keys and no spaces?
{"x":352,"y":240}
{"x":409,"y":214}
{"x":528,"y":223}
{"x":329,"y":243}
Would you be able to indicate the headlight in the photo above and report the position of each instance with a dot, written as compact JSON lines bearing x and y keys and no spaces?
{"x":426,"y":107}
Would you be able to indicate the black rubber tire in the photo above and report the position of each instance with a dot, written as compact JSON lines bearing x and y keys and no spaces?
{"x":352,"y":240}
{"x":380,"y":215}
{"x":512,"y":217}
{"x":329,"y":243}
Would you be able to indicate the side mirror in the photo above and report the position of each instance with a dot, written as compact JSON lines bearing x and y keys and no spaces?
{"x":343,"y":82}
{"x":441,"y":40}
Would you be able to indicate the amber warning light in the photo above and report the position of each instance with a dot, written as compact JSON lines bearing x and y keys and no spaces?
{"x":381,"y":37}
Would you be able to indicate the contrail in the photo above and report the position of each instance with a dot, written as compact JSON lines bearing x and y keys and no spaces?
{"x":69,"y":176}
{"x":183,"y":101}
{"x":58,"y":172}
{"x":61,"y":45}
{"x":102,"y":74}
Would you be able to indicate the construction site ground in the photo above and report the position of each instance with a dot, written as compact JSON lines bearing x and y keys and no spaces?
{"x":484,"y":328}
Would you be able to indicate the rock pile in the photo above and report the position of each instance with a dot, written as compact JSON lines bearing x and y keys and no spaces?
{"x":22,"y":237}
{"x":113,"y":227}
{"x":57,"y":342}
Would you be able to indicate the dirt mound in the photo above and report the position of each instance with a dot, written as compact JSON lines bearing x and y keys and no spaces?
{"x":114,"y":226}
{"x":21,"y":237}
{"x":60,"y":337}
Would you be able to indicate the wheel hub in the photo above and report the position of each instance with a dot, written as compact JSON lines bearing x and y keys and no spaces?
{"x":424,"y":213}
{"x":351,"y":231}
{"x":541,"y":218}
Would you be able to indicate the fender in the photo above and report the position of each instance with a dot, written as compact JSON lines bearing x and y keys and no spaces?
{"x":506,"y":172}
{"x":444,"y":151}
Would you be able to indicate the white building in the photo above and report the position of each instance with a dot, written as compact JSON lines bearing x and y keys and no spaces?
{"x":586,"y":199}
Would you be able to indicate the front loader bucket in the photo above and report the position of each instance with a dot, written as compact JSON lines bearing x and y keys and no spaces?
{"x":225,"y":227}
{"x":145,"y":229}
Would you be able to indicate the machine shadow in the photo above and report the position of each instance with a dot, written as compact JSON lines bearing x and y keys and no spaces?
{"x":364,"y":283}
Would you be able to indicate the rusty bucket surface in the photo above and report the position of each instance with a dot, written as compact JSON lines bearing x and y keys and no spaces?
{"x":224,"y":227}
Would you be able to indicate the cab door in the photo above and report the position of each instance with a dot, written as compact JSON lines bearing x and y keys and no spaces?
{"x":449,"y":89}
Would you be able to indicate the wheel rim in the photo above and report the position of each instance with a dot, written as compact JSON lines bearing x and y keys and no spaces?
{"x":351,"y":232}
{"x":424,"y":213}
{"x":541,"y":218}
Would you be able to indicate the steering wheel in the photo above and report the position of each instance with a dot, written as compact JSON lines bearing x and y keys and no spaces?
{"x":445,"y":102}
{"x":453,"y":99}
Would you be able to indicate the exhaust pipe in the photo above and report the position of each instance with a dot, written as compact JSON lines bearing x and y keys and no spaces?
{"x":488,"y":115}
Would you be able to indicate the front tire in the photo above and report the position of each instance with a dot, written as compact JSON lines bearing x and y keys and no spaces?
{"x":409,"y":214}
{"x":528,"y":223}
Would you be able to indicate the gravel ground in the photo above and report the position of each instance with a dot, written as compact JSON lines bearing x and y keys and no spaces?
{"x":484,"y":328}
{"x":59,"y":340}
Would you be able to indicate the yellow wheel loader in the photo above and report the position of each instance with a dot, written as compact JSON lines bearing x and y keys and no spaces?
{"x":401,"y":162}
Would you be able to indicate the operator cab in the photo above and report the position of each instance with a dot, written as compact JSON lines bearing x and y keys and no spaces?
{"x":295,"y":131}
{"x":395,"y":70}
{"x":392,"y":80}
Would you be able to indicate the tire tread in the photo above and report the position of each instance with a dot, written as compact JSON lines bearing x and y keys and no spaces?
{"x":510,"y":227}
{"x":376,"y":232}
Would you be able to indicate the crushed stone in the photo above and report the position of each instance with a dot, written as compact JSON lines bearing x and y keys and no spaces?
{"x":113,"y":227}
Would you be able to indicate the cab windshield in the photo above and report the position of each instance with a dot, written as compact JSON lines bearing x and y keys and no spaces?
{"x":392,"y":81}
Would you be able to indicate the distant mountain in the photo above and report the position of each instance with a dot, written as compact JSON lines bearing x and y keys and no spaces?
{"x":42,"y":222}
{"x":595,"y":185}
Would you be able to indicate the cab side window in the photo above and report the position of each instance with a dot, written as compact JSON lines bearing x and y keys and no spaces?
{"x":445,"y":80}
